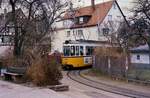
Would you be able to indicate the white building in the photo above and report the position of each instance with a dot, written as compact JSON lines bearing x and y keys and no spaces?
{"x":140,"y":56}
{"x":88,"y":23}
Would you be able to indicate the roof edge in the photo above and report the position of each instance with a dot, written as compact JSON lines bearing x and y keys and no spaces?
{"x":113,"y":1}
{"x":122,"y":13}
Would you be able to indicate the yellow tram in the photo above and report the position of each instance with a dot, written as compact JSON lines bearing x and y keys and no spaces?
{"x":78,"y":53}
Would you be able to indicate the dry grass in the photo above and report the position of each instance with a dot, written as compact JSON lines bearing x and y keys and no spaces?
{"x":139,"y":74}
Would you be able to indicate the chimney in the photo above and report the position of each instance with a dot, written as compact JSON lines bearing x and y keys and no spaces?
{"x":93,"y":4}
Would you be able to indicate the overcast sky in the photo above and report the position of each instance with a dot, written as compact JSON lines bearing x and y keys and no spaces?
{"x":126,"y":5}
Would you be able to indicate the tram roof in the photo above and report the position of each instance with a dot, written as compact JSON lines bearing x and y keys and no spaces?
{"x":86,"y":42}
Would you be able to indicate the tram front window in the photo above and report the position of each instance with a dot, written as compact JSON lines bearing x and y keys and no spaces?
{"x":77,"y":50}
{"x":72,"y":50}
{"x":81,"y":50}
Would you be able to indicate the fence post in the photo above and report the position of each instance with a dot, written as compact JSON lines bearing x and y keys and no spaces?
{"x":126,"y":68}
{"x":109,"y":66}
{"x":94,"y":62}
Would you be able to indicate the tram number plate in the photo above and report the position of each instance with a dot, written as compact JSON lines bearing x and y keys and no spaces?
{"x":87,"y":60}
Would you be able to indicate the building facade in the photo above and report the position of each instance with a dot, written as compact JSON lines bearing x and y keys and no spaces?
{"x":88,"y":23}
{"x":140,"y":57}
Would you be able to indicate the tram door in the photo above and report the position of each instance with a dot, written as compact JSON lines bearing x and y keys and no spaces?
{"x":88,"y":59}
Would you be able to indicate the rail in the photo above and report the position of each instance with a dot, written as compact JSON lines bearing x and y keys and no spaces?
{"x":76,"y":76}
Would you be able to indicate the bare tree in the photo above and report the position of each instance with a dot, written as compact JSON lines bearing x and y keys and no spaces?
{"x":33,"y":24}
{"x":37,"y":25}
{"x":114,"y":32}
{"x":141,"y":20}
{"x":137,"y":32}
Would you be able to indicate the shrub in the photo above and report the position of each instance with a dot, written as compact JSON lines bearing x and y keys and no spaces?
{"x":43,"y":72}
{"x":40,"y":70}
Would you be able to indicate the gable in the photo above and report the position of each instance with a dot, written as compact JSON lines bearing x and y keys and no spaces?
{"x":97,"y":14}
{"x":112,"y":21}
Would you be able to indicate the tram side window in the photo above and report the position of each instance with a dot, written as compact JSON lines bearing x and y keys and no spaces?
{"x":89,"y":50}
{"x":72,"y":50}
{"x":77,"y":50}
{"x":66,"y":51}
{"x":81,"y":50}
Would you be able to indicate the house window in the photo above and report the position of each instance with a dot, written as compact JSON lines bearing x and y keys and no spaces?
{"x":68,"y":34}
{"x":105,"y":31}
{"x":115,"y":6}
{"x":7,"y":39}
{"x":109,"y":17}
{"x":11,"y":30}
{"x":80,"y":33}
{"x":138,"y":57}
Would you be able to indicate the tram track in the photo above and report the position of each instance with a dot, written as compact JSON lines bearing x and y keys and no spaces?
{"x":76,"y":76}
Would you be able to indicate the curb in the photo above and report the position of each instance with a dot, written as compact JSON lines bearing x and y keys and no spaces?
{"x":59,"y":87}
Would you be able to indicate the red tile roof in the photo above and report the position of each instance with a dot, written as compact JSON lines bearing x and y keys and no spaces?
{"x":97,"y":15}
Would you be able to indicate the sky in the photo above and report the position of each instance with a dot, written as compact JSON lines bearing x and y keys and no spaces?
{"x":126,"y":5}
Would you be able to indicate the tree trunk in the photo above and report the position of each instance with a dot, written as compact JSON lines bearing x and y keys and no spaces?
{"x":109,"y":66}
{"x":17,"y":48}
{"x":149,"y":49}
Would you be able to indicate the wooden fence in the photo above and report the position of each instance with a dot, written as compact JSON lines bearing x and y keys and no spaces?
{"x":110,"y":65}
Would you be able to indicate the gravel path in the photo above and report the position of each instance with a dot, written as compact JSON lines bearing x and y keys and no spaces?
{"x":10,"y":90}
{"x":78,"y":90}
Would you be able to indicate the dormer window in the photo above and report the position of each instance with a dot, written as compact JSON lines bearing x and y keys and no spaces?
{"x":81,"y":20}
